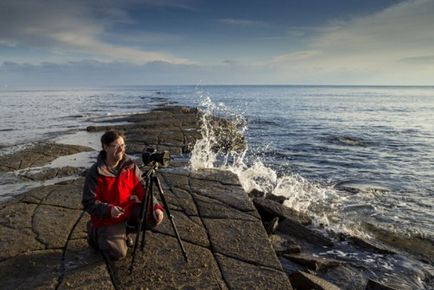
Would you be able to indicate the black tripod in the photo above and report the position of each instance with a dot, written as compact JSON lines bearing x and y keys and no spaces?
{"x":151,"y":178}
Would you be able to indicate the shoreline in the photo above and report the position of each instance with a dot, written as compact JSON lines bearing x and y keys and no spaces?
{"x":307,"y":256}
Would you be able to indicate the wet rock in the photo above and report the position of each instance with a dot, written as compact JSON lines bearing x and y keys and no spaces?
{"x":50,"y":173}
{"x":254,"y":193}
{"x":355,"y":186}
{"x":295,"y":229}
{"x":345,"y":276}
{"x":38,"y":155}
{"x":312,"y":262}
{"x":277,"y":198}
{"x":305,"y":281}
{"x":229,"y":136}
{"x":268,"y":209}
{"x":374,"y":285}
{"x":421,"y":247}
{"x":272,"y":226}
{"x":283,"y":244}
{"x":376,"y":247}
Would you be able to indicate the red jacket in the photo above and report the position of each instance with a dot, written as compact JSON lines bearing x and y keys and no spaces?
{"x":104,"y":189}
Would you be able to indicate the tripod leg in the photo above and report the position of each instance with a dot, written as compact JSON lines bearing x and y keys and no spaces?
{"x":169,"y":215}
{"x":148,"y":206}
{"x":143,"y":210}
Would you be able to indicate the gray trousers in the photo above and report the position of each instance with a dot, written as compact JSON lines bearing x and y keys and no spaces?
{"x":112,"y":239}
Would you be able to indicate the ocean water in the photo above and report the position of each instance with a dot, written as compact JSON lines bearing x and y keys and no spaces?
{"x":359,"y":160}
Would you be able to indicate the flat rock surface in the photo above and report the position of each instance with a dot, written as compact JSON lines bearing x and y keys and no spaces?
{"x":37,"y":155}
{"x":43,"y":233}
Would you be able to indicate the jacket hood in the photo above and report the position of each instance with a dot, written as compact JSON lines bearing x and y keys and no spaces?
{"x":125,"y":163}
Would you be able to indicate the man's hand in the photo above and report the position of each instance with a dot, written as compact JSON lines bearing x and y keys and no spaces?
{"x":116,"y":211}
{"x":159,"y":216}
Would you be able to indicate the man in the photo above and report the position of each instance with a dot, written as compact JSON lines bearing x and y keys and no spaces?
{"x":112,"y":194}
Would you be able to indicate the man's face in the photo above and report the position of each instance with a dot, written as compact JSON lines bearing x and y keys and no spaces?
{"x":116,"y":149}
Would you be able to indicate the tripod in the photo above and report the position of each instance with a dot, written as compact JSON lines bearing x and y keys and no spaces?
{"x":147,"y":204}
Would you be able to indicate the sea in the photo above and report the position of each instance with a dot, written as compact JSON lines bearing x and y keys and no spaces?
{"x":359,"y":160}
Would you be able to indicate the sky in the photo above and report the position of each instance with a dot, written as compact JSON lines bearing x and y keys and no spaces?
{"x":49,"y":43}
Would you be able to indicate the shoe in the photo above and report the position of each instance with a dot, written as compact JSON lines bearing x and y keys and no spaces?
{"x":129,"y":241}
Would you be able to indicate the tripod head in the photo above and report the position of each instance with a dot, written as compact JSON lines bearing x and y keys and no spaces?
{"x":150,"y":155}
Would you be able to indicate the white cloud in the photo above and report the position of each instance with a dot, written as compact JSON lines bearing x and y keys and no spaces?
{"x":72,"y":26}
{"x":244,"y":22}
{"x":378,"y":48}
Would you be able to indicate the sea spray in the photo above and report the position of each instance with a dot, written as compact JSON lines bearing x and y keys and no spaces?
{"x":321,"y":202}
{"x":252,"y":175}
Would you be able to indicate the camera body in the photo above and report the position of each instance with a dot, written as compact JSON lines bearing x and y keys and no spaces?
{"x":150,"y":155}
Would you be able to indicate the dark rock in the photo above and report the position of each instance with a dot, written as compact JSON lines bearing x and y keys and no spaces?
{"x":345,"y":276}
{"x":272,"y":225}
{"x":33,"y":270}
{"x":277,"y":198}
{"x":268,"y":209}
{"x":283,"y":244}
{"x":295,"y":229}
{"x":305,"y":281}
{"x":376,"y":247}
{"x":84,"y":268}
{"x":229,"y":136}
{"x":312,"y":262}
{"x":254,"y":193}
{"x":355,"y":186}
{"x":374,"y":285}
{"x":420,"y":246}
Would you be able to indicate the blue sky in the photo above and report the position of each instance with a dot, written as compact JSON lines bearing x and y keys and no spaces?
{"x":152,"y":42}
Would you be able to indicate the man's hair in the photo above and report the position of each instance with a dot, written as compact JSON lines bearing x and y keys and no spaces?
{"x":110,"y":136}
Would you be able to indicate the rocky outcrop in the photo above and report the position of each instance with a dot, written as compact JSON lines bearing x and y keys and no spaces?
{"x":37,"y":155}
{"x":232,"y":241}
{"x":43,"y":234}
{"x":175,"y":129}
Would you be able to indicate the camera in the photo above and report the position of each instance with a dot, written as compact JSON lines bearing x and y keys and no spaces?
{"x":150,"y":155}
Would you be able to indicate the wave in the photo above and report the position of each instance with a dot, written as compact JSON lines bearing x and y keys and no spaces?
{"x":300,"y":194}
{"x":337,"y":208}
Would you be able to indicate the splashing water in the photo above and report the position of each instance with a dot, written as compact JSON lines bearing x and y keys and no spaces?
{"x":252,"y":175}
{"x":322,"y":203}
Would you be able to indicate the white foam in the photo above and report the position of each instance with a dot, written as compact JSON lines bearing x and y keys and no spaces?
{"x":322,"y":203}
